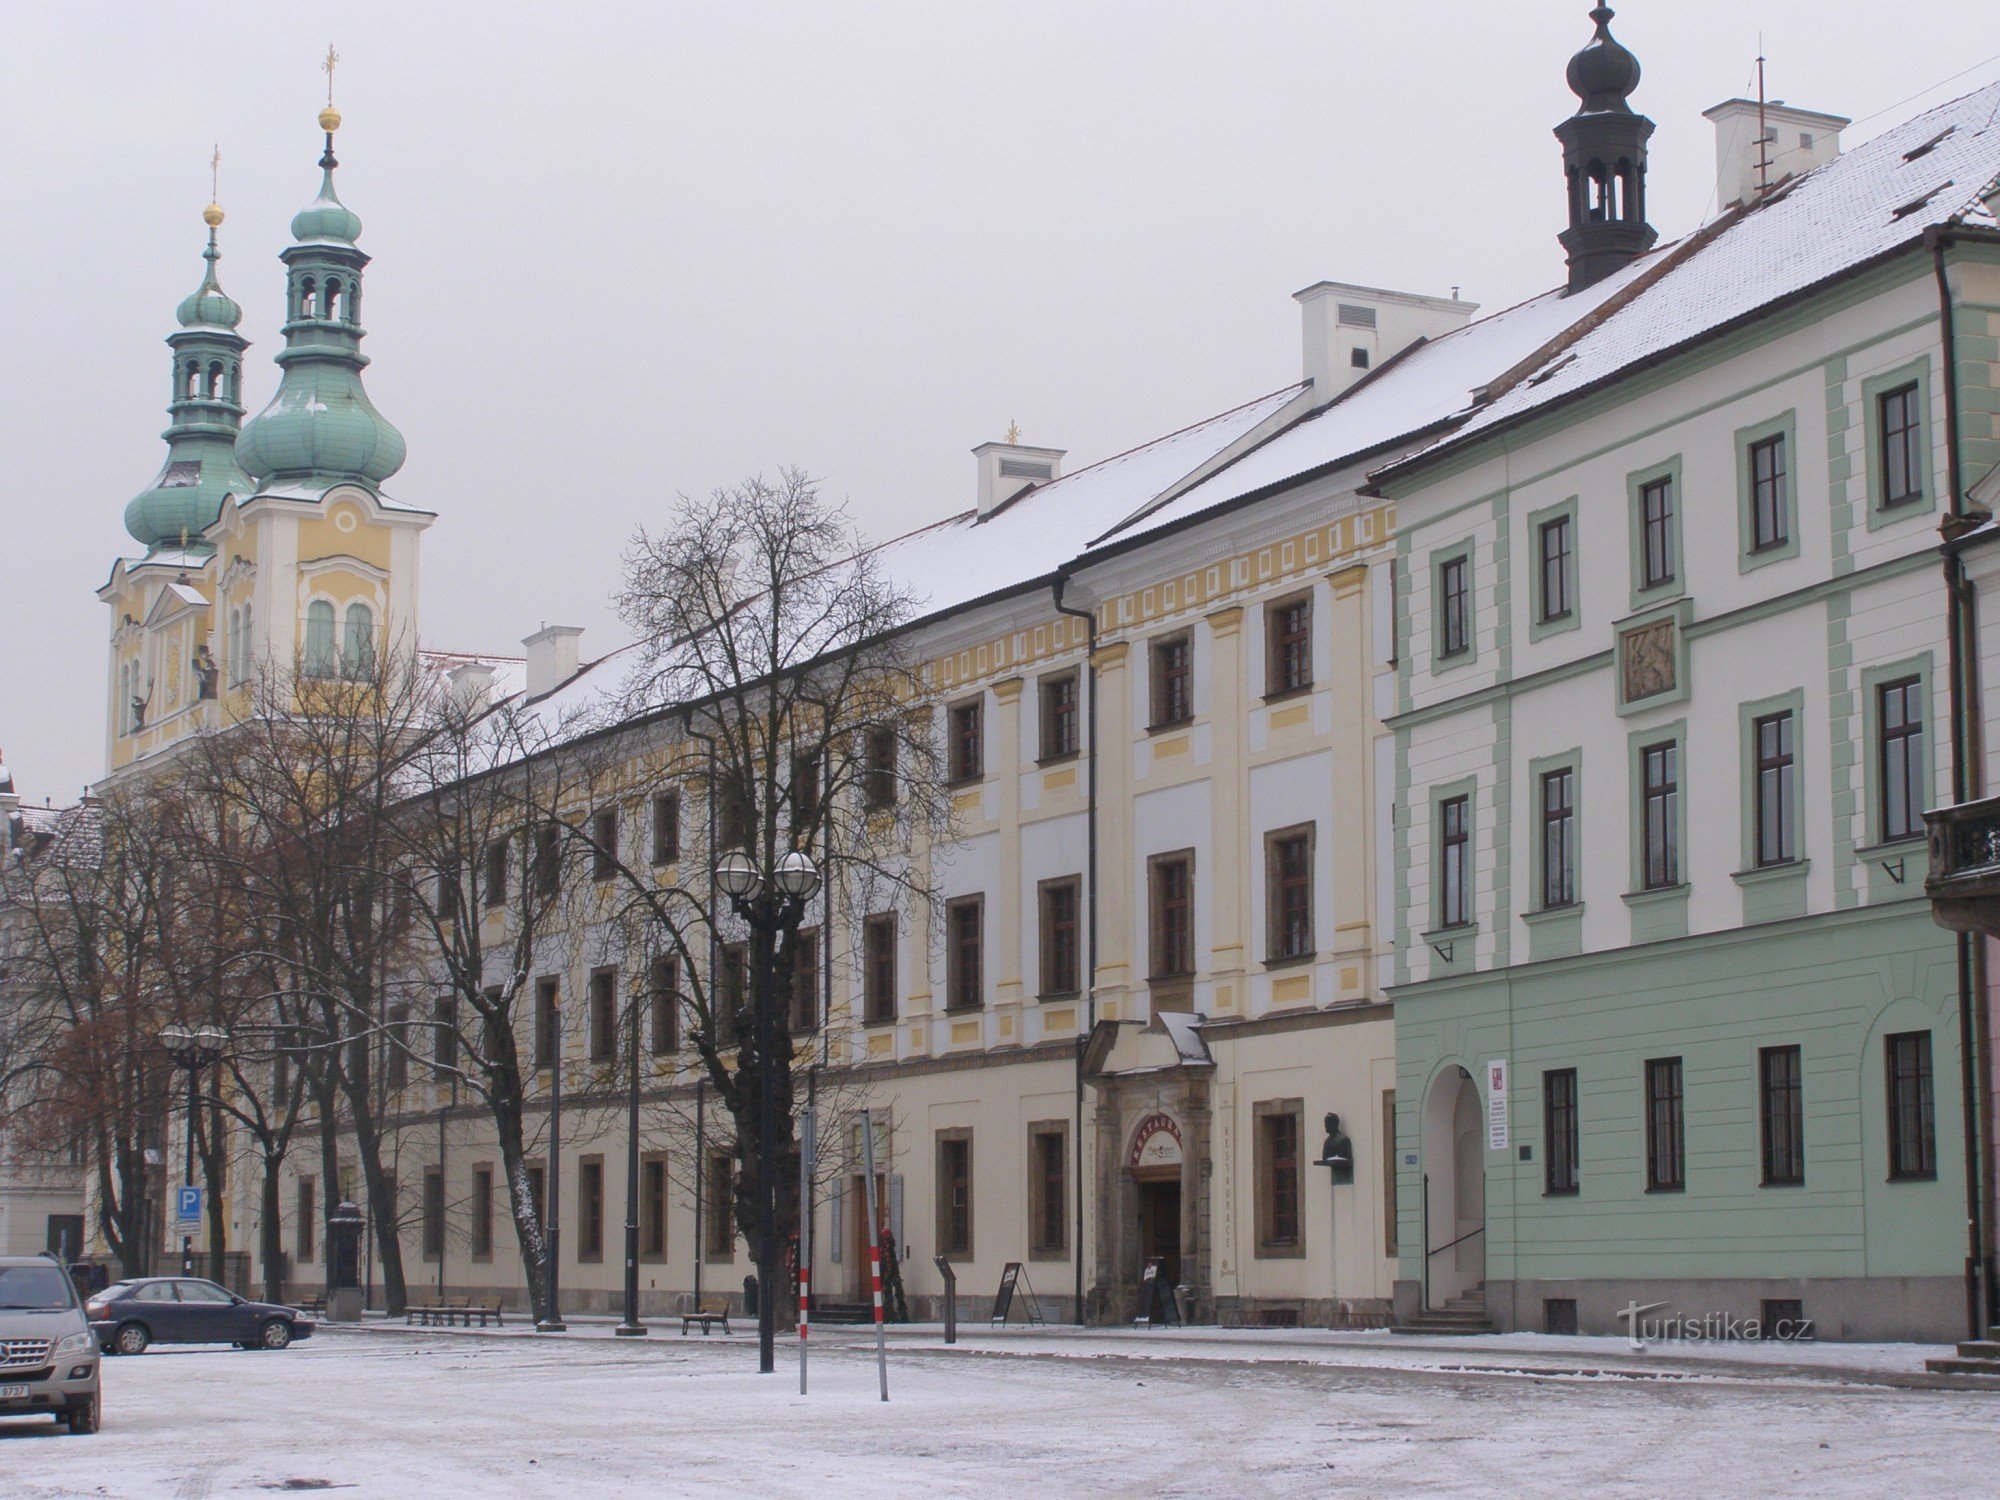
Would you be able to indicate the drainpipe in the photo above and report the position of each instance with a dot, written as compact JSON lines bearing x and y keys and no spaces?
{"x":1089,"y":617}
{"x":701,"y":1083}
{"x":1965,"y":781}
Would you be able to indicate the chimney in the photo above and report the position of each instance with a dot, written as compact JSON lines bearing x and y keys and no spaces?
{"x":551,"y":657}
{"x":472,"y":683}
{"x":1006,"y":469}
{"x":1793,"y":141}
{"x":1349,"y":330}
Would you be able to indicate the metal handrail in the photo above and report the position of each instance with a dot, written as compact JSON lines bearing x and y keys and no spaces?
{"x":1459,"y":1241}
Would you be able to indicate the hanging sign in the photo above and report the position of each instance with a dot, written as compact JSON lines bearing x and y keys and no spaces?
{"x":1497,"y":1134}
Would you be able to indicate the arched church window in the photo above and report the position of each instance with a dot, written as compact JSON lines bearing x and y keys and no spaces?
{"x":320,"y":660}
{"x":358,"y":659}
{"x":330,"y":310}
{"x":354,"y":300}
{"x":191,"y":381}
{"x":235,"y":374}
{"x":215,"y":380}
{"x":308,"y":289}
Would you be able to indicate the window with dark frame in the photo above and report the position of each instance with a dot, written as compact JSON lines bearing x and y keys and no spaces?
{"x":1770,"y":502}
{"x":1912,"y":1117}
{"x":653,"y":1207}
{"x":736,"y":812}
{"x":666,"y":827}
{"x":1455,"y":862}
{"x":548,"y":860}
{"x":1172,"y":882}
{"x":718,"y":1210}
{"x":1288,"y":626}
{"x":805,"y":980}
{"x":493,"y":878}
{"x":1561,"y":1136}
{"x":1061,"y":965}
{"x":1902,"y":454}
{"x":735,"y":986}
{"x":590,"y":1208}
{"x":808,"y":773}
{"x":1660,"y":815}
{"x":308,"y":1219}
{"x":968,"y":740}
{"x":1557,"y":549}
{"x":1454,"y":606}
{"x":432,"y":1236}
{"x":396,"y":1058}
{"x":1666,"y":1126}
{"x":545,"y":1023}
{"x":1558,"y":837}
{"x":604,"y":843}
{"x":1173,"y":680}
{"x":965,"y":980}
{"x":954,"y":1193}
{"x":1060,"y":702}
{"x":878,"y":780}
{"x":1900,"y":728}
{"x":1048,"y":1188}
{"x":1776,"y":807}
{"x":1289,"y":894}
{"x":1782,"y":1112}
{"x":444,"y":1036}
{"x":1280,"y":1184}
{"x":878,"y":968}
{"x":1656,"y":540}
{"x":666,"y":1005}
{"x":603,"y":1015}
{"x":482,"y":1213}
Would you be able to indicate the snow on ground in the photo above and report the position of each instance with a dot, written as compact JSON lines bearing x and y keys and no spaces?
{"x":389,"y":1413}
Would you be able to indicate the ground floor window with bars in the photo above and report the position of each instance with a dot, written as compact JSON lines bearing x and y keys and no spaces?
{"x":1781,"y":1102}
{"x":1666,"y":1125}
{"x":1560,"y":1134}
{"x":1912,"y":1120}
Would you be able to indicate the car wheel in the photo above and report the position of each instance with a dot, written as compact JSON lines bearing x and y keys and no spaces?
{"x":275,"y":1334}
{"x":131,"y":1338}
{"x":85,"y":1416}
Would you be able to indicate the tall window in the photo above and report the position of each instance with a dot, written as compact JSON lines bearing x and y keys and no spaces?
{"x":444,"y":1037}
{"x":808,"y":772}
{"x":878,"y":968}
{"x":1782,"y":1110}
{"x":1279,"y":1180}
{"x":965,"y":981}
{"x":805,"y":980}
{"x":1455,"y":862}
{"x":545,"y":1023}
{"x":1062,"y":968}
{"x":396,"y":1059}
{"x":1060,"y":736}
{"x":878,"y":781}
{"x":321,"y":658}
{"x":1048,"y":1176}
{"x":1557,"y":548}
{"x":1656,"y":538}
{"x":968,"y":740}
{"x":1777,"y":815}
{"x":433,"y":1220}
{"x":603,"y":1015}
{"x":482,"y":1213}
{"x":493,"y":880}
{"x":308,"y":1219}
{"x":666,"y":1028}
{"x":1173,"y":680}
{"x":1902,"y":449}
{"x":1454,"y":606}
{"x":1560,"y":1133}
{"x":1288,"y":626}
{"x":1559,"y":837}
{"x":1660,"y":814}
{"x":1666,"y":1126}
{"x":548,"y":860}
{"x":1900,"y":713}
{"x":1172,"y":881}
{"x":653,"y":1208}
{"x":736,"y":812}
{"x":954,"y":1193}
{"x":735,"y":985}
{"x":666,"y":827}
{"x":357,"y":660}
{"x":718,"y":1209}
{"x":1770,"y":503}
{"x":1288,"y":894}
{"x":604,"y":843}
{"x":1912,"y":1122}
{"x":590,"y":1208}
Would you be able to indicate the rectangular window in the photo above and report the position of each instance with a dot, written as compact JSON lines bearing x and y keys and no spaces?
{"x":734,"y":988}
{"x":603,"y":1015}
{"x":444,"y":1037}
{"x":1902,"y":449}
{"x":653,"y":1207}
{"x":545,"y":1023}
{"x":1455,"y":862}
{"x":1288,"y":632}
{"x":1048,"y":1188}
{"x":1060,"y":733}
{"x":1656,"y":540}
{"x":1557,"y":559}
{"x":1559,"y":837}
{"x":968,"y":740}
{"x":308,"y":1219}
{"x":1454,"y":606}
{"x":604,"y":843}
{"x":736,"y":812}
{"x":396,"y":1043}
{"x":1770,"y":500}
{"x":494,"y":882}
{"x":482,"y":1213}
{"x":1777,"y":768}
{"x":954,"y":1194}
{"x":548,"y":860}
{"x":1912,"y":1124}
{"x":718,"y":1209}
{"x":1782,"y":1111}
{"x":1172,"y":882}
{"x":878,"y":781}
{"x":878,"y":968}
{"x":808,"y":776}
{"x":805,"y":980}
{"x":1173,"y":680}
{"x":1062,"y":967}
{"x":965,"y":980}
{"x":1280,"y":1184}
{"x":1288,"y":894}
{"x":1900,"y":706}
{"x":1560,"y":1135}
{"x":590,"y":1208}
{"x":1666,"y":1126}
{"x":666,"y":1027}
{"x":433,"y":1223}
{"x":666,"y":827}
{"x":1660,"y":814}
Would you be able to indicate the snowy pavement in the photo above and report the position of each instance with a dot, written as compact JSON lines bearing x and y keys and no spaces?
{"x":1058,"y":1412}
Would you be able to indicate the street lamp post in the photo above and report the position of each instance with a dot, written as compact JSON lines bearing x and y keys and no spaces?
{"x":192,"y":1050}
{"x":770,"y":906}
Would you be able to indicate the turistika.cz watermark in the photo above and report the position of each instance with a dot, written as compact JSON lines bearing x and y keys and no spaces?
{"x":1712,"y":1327}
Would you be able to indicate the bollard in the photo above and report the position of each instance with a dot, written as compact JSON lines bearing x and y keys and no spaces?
{"x":950,"y":1297}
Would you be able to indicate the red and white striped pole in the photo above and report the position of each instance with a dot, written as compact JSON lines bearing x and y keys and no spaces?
{"x":874,"y":1246}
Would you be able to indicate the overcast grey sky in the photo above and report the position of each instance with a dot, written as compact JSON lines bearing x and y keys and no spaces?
{"x":628,"y":250}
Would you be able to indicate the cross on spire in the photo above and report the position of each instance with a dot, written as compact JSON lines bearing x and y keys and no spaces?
{"x":332,"y":57}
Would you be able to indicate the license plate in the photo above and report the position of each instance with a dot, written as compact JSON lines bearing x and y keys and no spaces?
{"x":13,"y":1393}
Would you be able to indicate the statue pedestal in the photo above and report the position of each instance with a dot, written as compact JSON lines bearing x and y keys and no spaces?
{"x":343,"y":1304}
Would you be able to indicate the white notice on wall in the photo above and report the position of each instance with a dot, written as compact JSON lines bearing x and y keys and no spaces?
{"x":1496,"y":1105}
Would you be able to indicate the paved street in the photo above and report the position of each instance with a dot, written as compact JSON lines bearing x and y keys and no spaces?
{"x":387,"y":1413}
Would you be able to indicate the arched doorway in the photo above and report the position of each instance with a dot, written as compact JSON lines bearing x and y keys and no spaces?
{"x":1155,"y":1162}
{"x":1454,"y":1187}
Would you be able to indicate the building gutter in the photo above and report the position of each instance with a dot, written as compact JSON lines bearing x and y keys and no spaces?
{"x":1058,"y":585}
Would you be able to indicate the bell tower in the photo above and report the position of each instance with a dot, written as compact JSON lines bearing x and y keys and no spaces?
{"x":1604,"y":159}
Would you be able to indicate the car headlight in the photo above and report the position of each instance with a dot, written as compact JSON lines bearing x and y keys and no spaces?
{"x":75,"y":1343}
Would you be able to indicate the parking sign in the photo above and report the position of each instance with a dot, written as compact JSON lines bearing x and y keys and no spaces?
{"x":187,"y":1209}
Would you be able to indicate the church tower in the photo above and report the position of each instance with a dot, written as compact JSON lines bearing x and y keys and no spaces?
{"x":1604,"y":158}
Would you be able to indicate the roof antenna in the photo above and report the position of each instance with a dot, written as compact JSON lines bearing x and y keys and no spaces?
{"x":1763,"y":134}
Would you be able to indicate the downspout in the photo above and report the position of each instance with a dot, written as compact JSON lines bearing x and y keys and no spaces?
{"x":1965,"y":782}
{"x":701,"y":1084}
{"x":1089,"y":617}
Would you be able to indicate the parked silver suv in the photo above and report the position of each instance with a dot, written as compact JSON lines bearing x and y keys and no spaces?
{"x":48,"y":1355}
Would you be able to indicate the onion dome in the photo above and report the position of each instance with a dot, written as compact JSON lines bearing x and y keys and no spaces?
{"x":1603,"y":74}
{"x":208,"y":306}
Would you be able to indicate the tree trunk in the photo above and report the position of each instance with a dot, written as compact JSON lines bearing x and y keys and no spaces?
{"x":507,"y":1121}
{"x":270,"y":1228}
{"x":382,"y":1212}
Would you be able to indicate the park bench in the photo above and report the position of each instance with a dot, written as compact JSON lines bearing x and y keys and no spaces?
{"x":710,"y":1310}
{"x":489,"y":1308}
{"x":314,"y":1307}
{"x":446,"y":1312}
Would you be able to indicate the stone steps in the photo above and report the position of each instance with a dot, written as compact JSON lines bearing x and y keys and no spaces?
{"x":1463,"y":1314}
{"x":1975,"y":1357}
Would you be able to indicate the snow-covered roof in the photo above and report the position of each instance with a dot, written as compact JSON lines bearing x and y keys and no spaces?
{"x":1934,"y":171}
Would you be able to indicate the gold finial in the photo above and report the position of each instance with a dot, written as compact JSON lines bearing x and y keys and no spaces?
{"x":329,"y":118}
{"x":212,"y":215}
{"x":1013,"y":433}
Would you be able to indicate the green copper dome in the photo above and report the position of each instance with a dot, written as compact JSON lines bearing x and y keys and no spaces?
{"x":208,"y":306}
{"x":326,"y":217}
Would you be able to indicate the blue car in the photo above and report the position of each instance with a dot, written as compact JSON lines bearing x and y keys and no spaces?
{"x":130,"y":1316}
